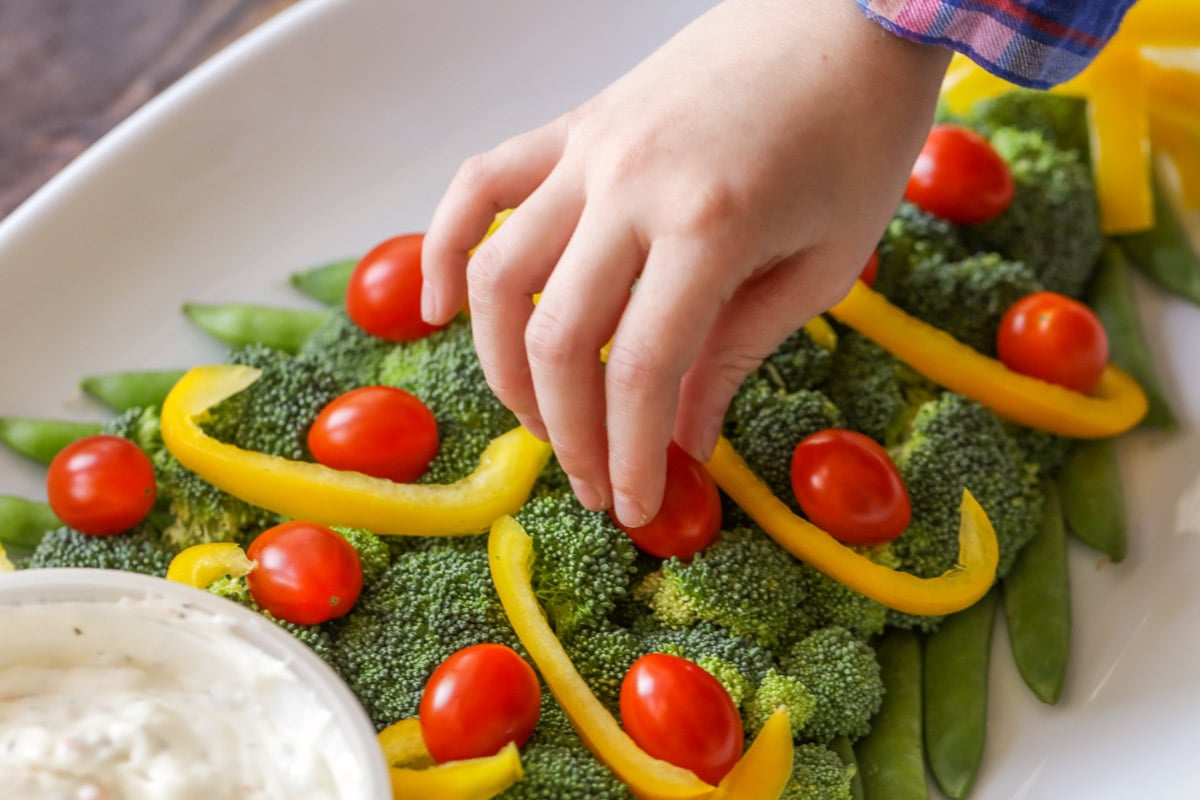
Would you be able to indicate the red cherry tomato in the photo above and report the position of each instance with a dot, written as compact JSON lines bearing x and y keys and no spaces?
{"x":848,"y":486}
{"x":871,"y":270}
{"x":305,"y":573}
{"x":678,"y":712}
{"x":690,"y":517}
{"x":477,"y":701}
{"x":101,"y":485}
{"x":383,"y":296}
{"x":1054,"y":338}
{"x":959,"y":177}
{"x":378,"y":431}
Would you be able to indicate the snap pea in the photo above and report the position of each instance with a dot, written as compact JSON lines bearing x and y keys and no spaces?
{"x":326,"y":283}
{"x":1164,"y":253}
{"x":41,"y":439}
{"x":891,"y":757}
{"x":1037,"y":605}
{"x":1092,"y":501}
{"x":1112,"y":300}
{"x":122,"y":391}
{"x":955,"y":680}
{"x":23,"y":523}
{"x":845,"y":751}
{"x":238,"y":324}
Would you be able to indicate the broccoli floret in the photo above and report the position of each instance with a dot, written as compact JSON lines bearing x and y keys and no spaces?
{"x":955,"y":443}
{"x":730,"y":676}
{"x":818,"y":773}
{"x":1061,"y":120}
{"x":877,"y":393}
{"x":1048,"y":451}
{"x":776,"y":691}
{"x":140,"y":426}
{"x":913,"y":237}
{"x":273,"y":414}
{"x":744,"y":582}
{"x":372,"y":551}
{"x":966,"y":298}
{"x":603,"y":654}
{"x":798,"y":363}
{"x":443,"y":370}
{"x":766,"y":425}
{"x":429,"y":604}
{"x":828,"y":602}
{"x":1053,"y":222}
{"x":142,"y":549}
{"x":314,"y":636}
{"x":842,"y":674}
{"x":345,"y":350}
{"x":708,"y":644}
{"x":583,"y":563}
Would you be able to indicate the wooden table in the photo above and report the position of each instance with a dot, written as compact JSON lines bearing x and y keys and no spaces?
{"x":72,"y":69}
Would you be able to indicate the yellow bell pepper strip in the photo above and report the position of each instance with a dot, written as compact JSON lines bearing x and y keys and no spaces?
{"x":1116,"y":405}
{"x":954,"y":590}
{"x":822,"y":332}
{"x":5,"y":564}
{"x":1174,"y":93}
{"x":1119,"y":124}
{"x":469,"y":779}
{"x":507,"y":470}
{"x":966,"y":84}
{"x":1164,"y":23}
{"x":201,"y":565}
{"x":510,"y":556}
{"x":1182,"y":146}
{"x":404,"y":746}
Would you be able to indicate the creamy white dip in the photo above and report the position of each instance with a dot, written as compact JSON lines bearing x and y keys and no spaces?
{"x":143,"y":699}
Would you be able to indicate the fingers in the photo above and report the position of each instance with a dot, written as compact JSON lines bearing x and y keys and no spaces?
{"x":484,"y":185}
{"x":761,"y":314}
{"x":660,"y":334}
{"x":502,"y":277}
{"x":576,"y":316}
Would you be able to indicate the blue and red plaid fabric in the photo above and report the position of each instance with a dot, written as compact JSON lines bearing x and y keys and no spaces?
{"x":1034,"y":43}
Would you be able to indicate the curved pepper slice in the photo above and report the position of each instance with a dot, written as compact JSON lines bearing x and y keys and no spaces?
{"x":510,"y":556}
{"x":470,"y":779}
{"x":203,"y":564}
{"x":404,"y":746}
{"x":507,"y":470}
{"x":954,"y":590}
{"x":1116,"y":405}
{"x":5,"y":564}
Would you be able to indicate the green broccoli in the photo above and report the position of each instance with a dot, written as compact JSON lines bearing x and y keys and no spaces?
{"x":345,"y":350}
{"x":1046,"y":450}
{"x":429,"y":604}
{"x":372,"y":551}
{"x":603,"y":653}
{"x":583,"y":563}
{"x":1053,"y":223}
{"x":765,"y":425}
{"x":1061,"y":120}
{"x":273,"y":414}
{"x":443,"y":370}
{"x":828,"y":602}
{"x":744,"y":582}
{"x":955,"y":443}
{"x":842,"y":674}
{"x":818,"y":773}
{"x":143,"y":549}
{"x":798,"y":363}
{"x":877,"y":393}
{"x":315,"y":636}
{"x":913,"y":237}
{"x":966,"y":298}
{"x":776,"y":691}
{"x":708,"y":646}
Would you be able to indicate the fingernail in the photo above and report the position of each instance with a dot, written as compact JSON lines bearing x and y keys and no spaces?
{"x":429,"y":304}
{"x":535,"y":426}
{"x":592,"y":500}
{"x":708,"y":442}
{"x":629,"y":511}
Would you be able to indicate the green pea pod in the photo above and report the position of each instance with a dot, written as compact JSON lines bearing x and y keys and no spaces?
{"x":957,"y":658}
{"x":1164,"y":253}
{"x":891,"y":757}
{"x":1037,"y":605}
{"x":41,"y":439}
{"x":23,"y":523}
{"x":845,"y":751}
{"x":1092,"y":501}
{"x":238,"y":324}
{"x":122,"y":391}
{"x":1112,"y":300}
{"x":326,"y":283}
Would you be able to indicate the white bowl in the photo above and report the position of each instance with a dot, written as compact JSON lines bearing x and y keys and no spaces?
{"x":297,"y":696}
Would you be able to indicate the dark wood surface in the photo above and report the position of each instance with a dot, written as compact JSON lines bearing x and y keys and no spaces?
{"x":72,"y":69}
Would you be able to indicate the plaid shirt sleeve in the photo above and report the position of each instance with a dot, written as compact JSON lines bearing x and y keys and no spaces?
{"x":1033,"y":43}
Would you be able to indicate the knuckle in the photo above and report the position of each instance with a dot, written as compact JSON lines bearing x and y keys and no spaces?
{"x":474,"y":173}
{"x":549,"y":341}
{"x":710,"y":205}
{"x":634,"y":370}
{"x":487,"y":270}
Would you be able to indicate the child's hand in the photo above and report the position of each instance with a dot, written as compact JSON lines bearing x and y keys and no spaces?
{"x":740,"y":176}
